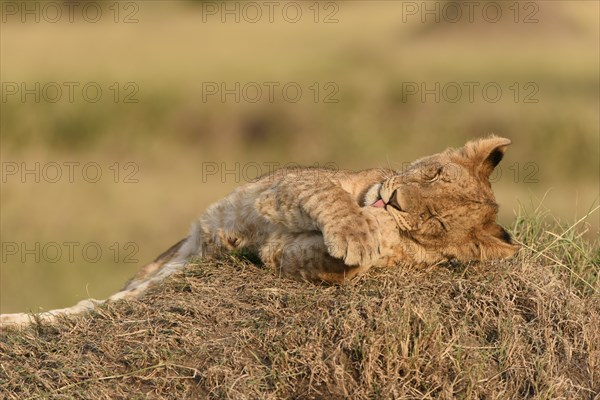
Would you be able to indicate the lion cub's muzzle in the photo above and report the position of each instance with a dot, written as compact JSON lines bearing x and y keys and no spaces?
{"x":396,"y":203}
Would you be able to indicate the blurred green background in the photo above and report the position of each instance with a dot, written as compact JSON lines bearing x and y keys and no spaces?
{"x":199,"y":97}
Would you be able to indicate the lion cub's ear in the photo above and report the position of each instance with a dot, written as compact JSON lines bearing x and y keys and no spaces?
{"x":486,"y":153}
{"x":495,"y":242}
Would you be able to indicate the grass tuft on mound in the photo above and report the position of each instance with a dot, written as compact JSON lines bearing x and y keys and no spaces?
{"x":528,"y":327}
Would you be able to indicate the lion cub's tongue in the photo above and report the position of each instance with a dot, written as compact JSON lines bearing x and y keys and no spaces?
{"x":379,"y":204}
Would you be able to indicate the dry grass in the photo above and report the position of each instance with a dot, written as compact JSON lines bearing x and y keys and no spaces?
{"x":523,"y":328}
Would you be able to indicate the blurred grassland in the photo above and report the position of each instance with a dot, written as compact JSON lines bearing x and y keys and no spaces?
{"x":171,"y":133}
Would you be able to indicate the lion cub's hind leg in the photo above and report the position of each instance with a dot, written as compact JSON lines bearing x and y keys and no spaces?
{"x":304,"y":256}
{"x":232,"y":223}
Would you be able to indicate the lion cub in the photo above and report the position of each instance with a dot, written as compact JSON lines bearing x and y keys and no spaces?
{"x":326,"y":225}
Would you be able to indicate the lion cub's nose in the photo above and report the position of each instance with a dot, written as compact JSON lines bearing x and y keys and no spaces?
{"x":394,"y":202}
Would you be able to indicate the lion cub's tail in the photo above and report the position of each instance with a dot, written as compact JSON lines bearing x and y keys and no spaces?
{"x":170,"y":261}
{"x":150,"y":270}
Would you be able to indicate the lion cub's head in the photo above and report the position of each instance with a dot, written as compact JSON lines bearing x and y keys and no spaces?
{"x":445,"y":202}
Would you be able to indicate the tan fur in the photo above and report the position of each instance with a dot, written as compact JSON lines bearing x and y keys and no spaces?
{"x":320,"y":225}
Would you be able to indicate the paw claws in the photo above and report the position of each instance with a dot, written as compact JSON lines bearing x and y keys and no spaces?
{"x":356,"y":245}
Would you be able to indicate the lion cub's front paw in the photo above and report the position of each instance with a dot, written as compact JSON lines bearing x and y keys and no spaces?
{"x":356,"y":242}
